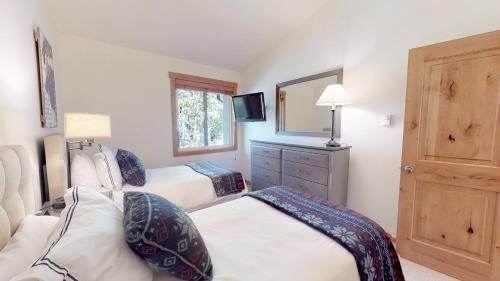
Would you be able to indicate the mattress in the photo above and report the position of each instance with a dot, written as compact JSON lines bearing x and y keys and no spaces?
{"x":182,"y":186}
{"x":248,"y":240}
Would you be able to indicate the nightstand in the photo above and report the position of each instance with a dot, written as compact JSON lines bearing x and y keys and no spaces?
{"x":49,"y":210}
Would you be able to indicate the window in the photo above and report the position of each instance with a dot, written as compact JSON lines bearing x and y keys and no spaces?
{"x":202,"y":115}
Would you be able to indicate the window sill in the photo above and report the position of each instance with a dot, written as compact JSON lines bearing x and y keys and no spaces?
{"x":203,"y":150}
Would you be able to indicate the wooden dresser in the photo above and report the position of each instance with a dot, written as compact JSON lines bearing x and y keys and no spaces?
{"x":313,"y":168}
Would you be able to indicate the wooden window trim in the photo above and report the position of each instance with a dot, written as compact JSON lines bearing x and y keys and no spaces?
{"x":179,"y":81}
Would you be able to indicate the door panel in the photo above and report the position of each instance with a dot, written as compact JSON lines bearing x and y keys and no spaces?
{"x":471,"y":176}
{"x":448,"y":212}
{"x":454,"y":218}
{"x":461,"y":122}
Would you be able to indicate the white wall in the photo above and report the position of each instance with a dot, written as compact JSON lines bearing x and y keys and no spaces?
{"x":371,"y":40}
{"x":134,"y":88}
{"x":19,"y":93}
{"x":316,"y":47}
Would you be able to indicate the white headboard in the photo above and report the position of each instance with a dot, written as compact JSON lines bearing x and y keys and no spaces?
{"x":56,"y":159}
{"x":16,"y":190}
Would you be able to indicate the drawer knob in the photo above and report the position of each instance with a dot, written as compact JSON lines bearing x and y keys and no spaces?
{"x":302,"y":172}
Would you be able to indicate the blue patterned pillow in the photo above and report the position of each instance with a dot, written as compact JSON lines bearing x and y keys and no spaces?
{"x":165,"y":237}
{"x":132,"y":169}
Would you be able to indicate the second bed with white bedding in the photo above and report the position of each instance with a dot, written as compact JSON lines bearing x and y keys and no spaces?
{"x":182,"y":186}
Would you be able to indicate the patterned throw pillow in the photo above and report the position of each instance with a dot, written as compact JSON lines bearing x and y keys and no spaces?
{"x":165,"y":237}
{"x":132,"y":169}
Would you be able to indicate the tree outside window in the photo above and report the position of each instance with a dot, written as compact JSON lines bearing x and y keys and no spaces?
{"x":203,"y":115}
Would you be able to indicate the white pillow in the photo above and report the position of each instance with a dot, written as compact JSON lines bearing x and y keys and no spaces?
{"x":83,"y":172}
{"x":88,"y":244}
{"x":26,"y":245}
{"x":107,"y":168}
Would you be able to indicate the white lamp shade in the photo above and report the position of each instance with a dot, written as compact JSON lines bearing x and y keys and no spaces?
{"x":86,"y":125}
{"x":333,"y":95}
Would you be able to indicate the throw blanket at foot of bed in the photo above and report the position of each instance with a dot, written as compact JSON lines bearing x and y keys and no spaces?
{"x":225,"y":181}
{"x":372,"y":248}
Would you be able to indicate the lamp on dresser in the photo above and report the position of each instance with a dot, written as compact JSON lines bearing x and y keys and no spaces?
{"x":334,"y":95}
{"x":81,"y":129}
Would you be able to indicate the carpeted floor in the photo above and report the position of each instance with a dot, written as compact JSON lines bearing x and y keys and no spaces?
{"x":416,"y":272}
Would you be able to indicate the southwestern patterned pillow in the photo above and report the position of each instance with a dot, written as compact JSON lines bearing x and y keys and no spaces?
{"x":165,"y":237}
{"x":132,"y":169}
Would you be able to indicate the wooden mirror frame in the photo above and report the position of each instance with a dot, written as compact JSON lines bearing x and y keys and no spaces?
{"x":339,"y":72}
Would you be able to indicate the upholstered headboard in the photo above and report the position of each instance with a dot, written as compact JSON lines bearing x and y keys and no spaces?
{"x":16,"y":190}
{"x":56,"y":159}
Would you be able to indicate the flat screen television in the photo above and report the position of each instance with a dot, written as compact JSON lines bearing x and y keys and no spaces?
{"x":249,"y":108}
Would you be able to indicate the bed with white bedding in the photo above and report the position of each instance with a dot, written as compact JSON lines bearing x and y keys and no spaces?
{"x":248,"y":253}
{"x":247,"y":239}
{"x":181,"y":185}
{"x":267,"y":245}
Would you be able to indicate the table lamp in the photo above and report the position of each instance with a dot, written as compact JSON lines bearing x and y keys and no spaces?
{"x":333,"y":95}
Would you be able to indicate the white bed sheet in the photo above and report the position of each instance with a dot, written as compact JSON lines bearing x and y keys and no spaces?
{"x":26,"y":245}
{"x":182,"y":186}
{"x":248,"y":241}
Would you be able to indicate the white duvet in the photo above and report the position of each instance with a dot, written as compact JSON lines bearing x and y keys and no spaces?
{"x":250,"y":241}
{"x":182,"y":186}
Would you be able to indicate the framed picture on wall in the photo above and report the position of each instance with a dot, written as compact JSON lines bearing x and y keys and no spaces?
{"x":47,"y":84}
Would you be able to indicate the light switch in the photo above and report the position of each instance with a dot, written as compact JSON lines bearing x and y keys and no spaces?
{"x":386,"y":120}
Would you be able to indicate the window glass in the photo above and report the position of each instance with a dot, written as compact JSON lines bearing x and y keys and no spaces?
{"x":203,"y":119}
{"x":219,"y":119}
{"x":190,"y":118}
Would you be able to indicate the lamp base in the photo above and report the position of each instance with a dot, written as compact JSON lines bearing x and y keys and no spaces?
{"x":332,"y":143}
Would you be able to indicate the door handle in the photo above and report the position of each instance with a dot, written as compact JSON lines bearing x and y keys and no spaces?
{"x":408,"y":169}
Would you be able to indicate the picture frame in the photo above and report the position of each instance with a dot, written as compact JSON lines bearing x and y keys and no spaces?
{"x":46,"y":78}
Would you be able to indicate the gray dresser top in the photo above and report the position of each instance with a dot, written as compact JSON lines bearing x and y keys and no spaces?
{"x":303,"y":144}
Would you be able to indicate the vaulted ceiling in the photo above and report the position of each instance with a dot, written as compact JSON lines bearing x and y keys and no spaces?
{"x":224,"y":33}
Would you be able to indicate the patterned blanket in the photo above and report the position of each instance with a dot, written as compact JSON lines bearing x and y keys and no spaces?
{"x":225,"y":181}
{"x":375,"y":255}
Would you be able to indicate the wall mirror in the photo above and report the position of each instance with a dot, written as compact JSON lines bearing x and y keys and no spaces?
{"x":296,"y":110}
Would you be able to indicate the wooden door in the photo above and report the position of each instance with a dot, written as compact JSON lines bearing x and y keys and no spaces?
{"x":449,"y":215}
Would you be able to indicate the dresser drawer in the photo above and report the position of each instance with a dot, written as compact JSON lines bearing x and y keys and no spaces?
{"x":306,"y":186}
{"x":267,"y":175}
{"x":258,"y":184}
{"x":266,"y":151}
{"x":320,"y":160}
{"x":303,"y":171}
{"x":266,"y":162}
